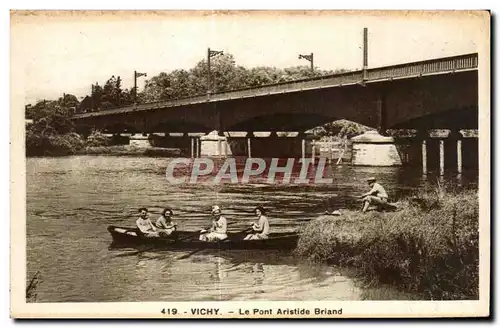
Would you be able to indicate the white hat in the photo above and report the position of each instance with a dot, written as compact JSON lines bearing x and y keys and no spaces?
{"x":216,"y":209}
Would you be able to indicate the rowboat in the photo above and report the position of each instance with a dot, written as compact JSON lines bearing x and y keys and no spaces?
{"x":189,"y":240}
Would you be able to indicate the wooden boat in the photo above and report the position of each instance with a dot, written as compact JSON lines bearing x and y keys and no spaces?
{"x":189,"y":240}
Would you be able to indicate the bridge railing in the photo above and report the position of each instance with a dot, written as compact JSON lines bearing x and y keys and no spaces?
{"x":440,"y":65}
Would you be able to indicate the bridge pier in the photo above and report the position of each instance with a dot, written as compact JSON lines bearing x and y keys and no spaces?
{"x":198,"y":146}
{"x":302,"y":137}
{"x":249,"y":136}
{"x":443,"y":151}
{"x":373,"y":149}
{"x":195,"y":147}
{"x":441,"y":156}
{"x":192,"y":147}
{"x":381,"y":113}
{"x":313,"y":153}
{"x":424,"y":156}
{"x":213,"y":144}
{"x":456,"y":137}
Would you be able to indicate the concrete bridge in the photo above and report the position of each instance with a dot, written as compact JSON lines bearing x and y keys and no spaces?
{"x":437,"y":93}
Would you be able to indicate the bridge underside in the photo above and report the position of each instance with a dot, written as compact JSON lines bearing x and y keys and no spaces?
{"x":447,"y":101}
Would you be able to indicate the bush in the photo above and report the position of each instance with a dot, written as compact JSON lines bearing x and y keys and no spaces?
{"x":430,"y":246}
{"x":97,"y":139}
{"x":52,"y":145}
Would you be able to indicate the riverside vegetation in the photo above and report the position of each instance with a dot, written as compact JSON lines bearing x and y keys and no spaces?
{"x":429,"y":246}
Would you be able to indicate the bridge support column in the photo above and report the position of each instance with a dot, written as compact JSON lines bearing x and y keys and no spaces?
{"x":441,"y":156}
{"x":424,"y":156}
{"x":456,"y":136}
{"x":381,"y":109}
{"x":221,"y":150}
{"x":302,"y":137}
{"x":423,"y":135}
{"x":197,"y":147}
{"x":313,"y":152}
{"x":225,"y":141}
{"x":192,"y":147}
{"x":250,"y":135}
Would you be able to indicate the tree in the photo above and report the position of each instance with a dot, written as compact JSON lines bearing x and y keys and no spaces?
{"x":341,"y":128}
{"x":68,"y":100}
{"x":97,"y":96}
{"x":224,"y":75}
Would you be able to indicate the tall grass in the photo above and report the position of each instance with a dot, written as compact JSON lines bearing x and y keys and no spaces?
{"x":31,"y":294}
{"x":430,"y":245}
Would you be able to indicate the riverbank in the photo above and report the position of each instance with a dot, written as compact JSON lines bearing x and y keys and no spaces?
{"x":430,"y":245}
{"x":130,"y":150}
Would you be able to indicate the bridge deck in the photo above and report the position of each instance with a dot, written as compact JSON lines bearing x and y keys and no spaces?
{"x":408,"y":70}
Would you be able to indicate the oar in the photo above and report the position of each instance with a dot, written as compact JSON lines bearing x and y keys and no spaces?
{"x":185,"y":256}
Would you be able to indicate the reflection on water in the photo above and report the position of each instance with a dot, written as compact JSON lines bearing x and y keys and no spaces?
{"x":72,"y":200}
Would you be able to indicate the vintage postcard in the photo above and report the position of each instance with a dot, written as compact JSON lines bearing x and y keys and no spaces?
{"x":250,"y":164}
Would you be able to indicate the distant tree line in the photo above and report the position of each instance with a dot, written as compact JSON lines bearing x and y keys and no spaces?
{"x":225,"y":76}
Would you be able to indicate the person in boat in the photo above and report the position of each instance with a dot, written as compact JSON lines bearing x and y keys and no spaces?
{"x":145,"y":225}
{"x":164,"y":223}
{"x":218,"y":230}
{"x":376,"y":196}
{"x":261,"y":228}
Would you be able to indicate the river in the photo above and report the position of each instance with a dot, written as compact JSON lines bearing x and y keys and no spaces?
{"x":71,"y":201}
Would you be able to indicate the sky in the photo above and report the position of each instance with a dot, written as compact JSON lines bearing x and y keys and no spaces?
{"x":52,"y":53}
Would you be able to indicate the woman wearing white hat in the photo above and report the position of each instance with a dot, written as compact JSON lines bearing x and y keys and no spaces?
{"x":218,"y":230}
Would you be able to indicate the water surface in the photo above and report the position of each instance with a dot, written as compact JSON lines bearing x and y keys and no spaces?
{"x":71,"y":201}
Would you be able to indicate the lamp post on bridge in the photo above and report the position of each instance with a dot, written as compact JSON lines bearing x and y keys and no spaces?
{"x":210,"y":54}
{"x":309,"y":58}
{"x":136,"y":75}
{"x":92,"y":98}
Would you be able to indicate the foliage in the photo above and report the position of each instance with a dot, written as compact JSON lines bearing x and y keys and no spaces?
{"x":342,"y":128}
{"x":52,"y":145}
{"x":109,"y":96}
{"x":225,"y":75}
{"x":52,"y":131}
{"x":430,"y":246}
{"x":32,"y":286}
{"x":97,"y":139}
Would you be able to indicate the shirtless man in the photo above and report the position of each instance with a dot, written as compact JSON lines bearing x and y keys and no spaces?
{"x":376,"y":196}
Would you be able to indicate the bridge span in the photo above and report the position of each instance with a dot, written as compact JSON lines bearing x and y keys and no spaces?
{"x":436,"y":93}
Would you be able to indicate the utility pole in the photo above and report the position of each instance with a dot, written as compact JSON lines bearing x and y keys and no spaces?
{"x":119,"y":91}
{"x":136,"y":75}
{"x":309,"y":58}
{"x":365,"y":53}
{"x":210,"y":54}
{"x":92,"y":98}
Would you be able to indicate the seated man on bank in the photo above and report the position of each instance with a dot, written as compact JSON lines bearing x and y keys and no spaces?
{"x":145,"y":225}
{"x":164,"y":222}
{"x":218,"y":230}
{"x":376,"y":196}
{"x":261,"y":228}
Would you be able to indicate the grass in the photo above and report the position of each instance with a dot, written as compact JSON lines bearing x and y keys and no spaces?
{"x":31,"y":294}
{"x":430,"y":245}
